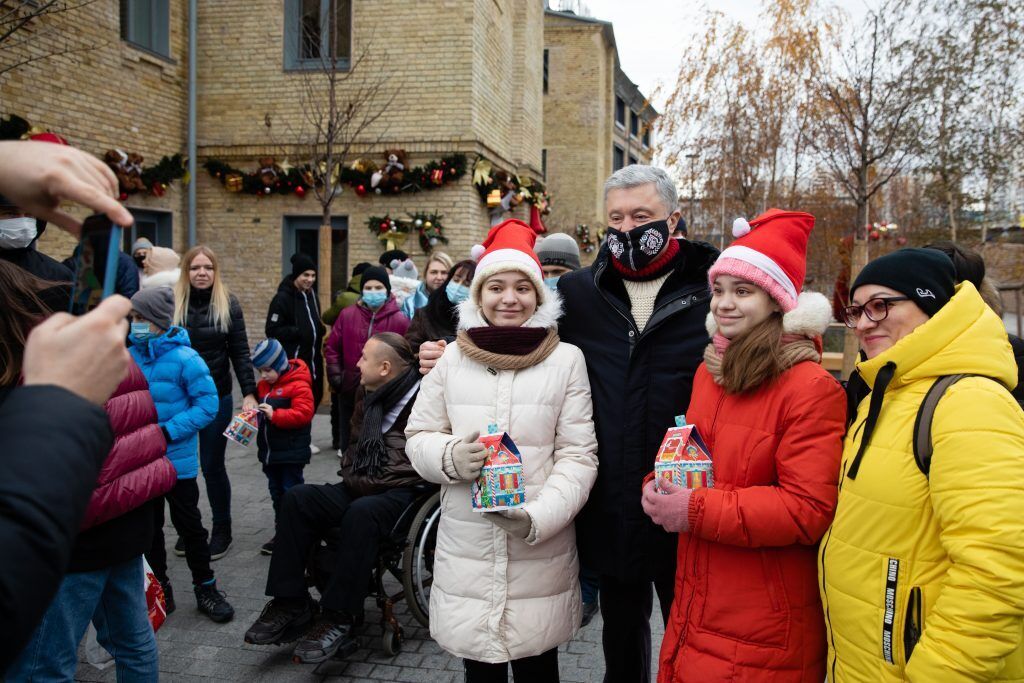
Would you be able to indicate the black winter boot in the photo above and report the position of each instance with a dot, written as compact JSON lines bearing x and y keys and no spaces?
{"x":211,"y":602}
{"x":220,"y":540}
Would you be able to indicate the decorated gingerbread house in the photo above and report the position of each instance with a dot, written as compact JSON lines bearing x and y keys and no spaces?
{"x":502,"y":481}
{"x":683,"y":458}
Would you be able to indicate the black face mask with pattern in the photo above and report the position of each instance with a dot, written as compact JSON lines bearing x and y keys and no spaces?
{"x":638,"y":248}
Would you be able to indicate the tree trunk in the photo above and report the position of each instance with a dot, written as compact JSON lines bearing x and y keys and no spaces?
{"x":851,"y":347}
{"x":951,"y":210}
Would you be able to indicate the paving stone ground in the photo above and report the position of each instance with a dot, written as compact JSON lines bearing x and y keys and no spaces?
{"x":192,"y":648}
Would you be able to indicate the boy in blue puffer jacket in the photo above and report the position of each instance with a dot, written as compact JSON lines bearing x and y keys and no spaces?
{"x":186,"y":401}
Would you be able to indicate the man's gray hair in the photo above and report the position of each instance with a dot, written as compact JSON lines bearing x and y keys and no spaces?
{"x":635,"y":175}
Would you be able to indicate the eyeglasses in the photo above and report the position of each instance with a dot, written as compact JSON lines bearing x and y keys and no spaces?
{"x":876,"y":309}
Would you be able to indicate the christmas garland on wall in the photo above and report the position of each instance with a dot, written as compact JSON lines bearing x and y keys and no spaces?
{"x":587,"y":243}
{"x":132,"y":176}
{"x":362,"y":175}
{"x":393,"y":232}
{"x":494,"y":185}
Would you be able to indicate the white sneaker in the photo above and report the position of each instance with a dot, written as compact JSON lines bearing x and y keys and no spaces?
{"x":340,"y":454}
{"x":313,"y":449}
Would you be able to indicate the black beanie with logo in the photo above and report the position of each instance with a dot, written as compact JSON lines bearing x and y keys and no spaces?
{"x":925,"y":276}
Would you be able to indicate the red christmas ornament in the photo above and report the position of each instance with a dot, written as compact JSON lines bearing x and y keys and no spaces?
{"x":300,"y":191}
{"x":123,"y":196}
{"x":900,"y":241}
{"x":361,"y":190}
{"x":874,"y":234}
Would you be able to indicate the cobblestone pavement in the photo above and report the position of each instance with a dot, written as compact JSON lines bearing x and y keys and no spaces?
{"x":192,"y":648}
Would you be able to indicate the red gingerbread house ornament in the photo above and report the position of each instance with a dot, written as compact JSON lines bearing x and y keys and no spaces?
{"x":683,"y":458}
{"x":502,"y":481}
{"x":243,"y":427}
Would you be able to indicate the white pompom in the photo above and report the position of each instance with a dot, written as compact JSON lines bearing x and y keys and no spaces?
{"x":395,"y":263}
{"x":740,"y":227}
{"x":477,"y":251}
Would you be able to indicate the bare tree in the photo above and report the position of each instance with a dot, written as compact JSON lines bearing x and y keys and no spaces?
{"x":868,"y":116}
{"x":32,"y":30}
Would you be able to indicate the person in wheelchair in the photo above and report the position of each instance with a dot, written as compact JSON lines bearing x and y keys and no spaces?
{"x":378,"y":484}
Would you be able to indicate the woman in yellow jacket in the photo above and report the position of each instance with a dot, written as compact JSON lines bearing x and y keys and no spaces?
{"x":922,"y":575}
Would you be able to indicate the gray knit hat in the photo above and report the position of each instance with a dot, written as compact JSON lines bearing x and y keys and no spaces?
{"x":558,"y":249}
{"x":156,"y":305}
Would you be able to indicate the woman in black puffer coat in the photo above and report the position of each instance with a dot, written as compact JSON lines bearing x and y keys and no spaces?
{"x":213,"y":318}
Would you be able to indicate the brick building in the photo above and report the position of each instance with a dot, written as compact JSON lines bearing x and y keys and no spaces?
{"x":595,"y":118}
{"x":467,"y":76}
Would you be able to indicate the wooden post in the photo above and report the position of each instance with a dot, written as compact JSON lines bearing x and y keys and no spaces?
{"x":324,"y":274}
{"x":858,"y":259}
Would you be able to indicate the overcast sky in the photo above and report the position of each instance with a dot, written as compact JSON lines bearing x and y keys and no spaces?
{"x":650,"y":33}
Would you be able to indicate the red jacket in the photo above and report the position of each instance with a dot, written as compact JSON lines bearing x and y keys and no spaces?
{"x":285,"y":438}
{"x":356,"y":324}
{"x":136,"y":469}
{"x":746,"y":604}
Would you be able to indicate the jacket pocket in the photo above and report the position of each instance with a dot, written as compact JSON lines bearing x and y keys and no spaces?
{"x":913,"y":622}
{"x":745,"y":596}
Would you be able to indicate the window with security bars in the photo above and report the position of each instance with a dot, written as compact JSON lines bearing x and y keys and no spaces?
{"x":318,"y":32}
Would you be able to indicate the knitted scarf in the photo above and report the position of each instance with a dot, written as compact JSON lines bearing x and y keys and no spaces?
{"x":508,"y":348}
{"x":372,"y":453}
{"x":796,"y":348}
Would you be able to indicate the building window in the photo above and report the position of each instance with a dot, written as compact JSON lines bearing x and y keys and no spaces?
{"x":317,"y":32}
{"x":544,"y":164}
{"x":632,"y":160}
{"x":618,"y":158}
{"x":620,"y":112}
{"x":146,"y":24}
{"x":155,"y":226}
{"x":647,"y":137}
{"x":545,"y":71}
{"x":634,"y":124}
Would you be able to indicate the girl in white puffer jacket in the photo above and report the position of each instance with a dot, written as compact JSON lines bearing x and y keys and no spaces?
{"x":505,"y":583}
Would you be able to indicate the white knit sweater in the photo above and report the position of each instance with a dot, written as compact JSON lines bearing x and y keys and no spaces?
{"x":642,"y":294}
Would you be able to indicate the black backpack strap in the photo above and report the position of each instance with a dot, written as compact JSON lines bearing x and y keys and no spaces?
{"x":923,"y":423}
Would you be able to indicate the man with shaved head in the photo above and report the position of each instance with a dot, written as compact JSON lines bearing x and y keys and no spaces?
{"x":378,"y":485}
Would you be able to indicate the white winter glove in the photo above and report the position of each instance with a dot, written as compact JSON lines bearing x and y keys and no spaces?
{"x":467,"y":458}
{"x":516,"y":522}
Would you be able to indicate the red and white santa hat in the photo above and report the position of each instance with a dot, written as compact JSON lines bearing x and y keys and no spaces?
{"x":770,"y":252}
{"x":509,"y":246}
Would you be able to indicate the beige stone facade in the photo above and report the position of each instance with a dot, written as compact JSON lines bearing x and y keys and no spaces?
{"x":466,"y":76}
{"x":586,"y":95}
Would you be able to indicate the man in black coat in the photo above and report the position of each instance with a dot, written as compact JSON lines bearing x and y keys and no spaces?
{"x":638,"y":316}
{"x":294,"y":320}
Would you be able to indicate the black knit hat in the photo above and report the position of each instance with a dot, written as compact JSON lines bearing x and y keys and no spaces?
{"x":392,"y":255}
{"x":376,"y":273}
{"x":360,"y":267}
{"x":300,"y":264}
{"x":925,"y":276}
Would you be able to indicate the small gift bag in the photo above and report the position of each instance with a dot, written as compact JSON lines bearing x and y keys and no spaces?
{"x":243,"y":427}
{"x":683,"y":458}
{"x":502,"y":481}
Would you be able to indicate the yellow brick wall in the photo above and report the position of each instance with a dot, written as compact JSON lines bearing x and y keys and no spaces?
{"x":109,"y":95}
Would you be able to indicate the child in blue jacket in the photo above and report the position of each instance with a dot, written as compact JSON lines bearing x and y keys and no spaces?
{"x":186,"y":401}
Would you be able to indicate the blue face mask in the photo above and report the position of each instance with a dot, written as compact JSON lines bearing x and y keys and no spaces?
{"x":552,"y":283}
{"x":140,"y":333}
{"x":456,"y":293}
{"x":375,"y":298}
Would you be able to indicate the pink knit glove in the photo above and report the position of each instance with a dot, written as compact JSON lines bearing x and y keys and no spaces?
{"x":670,"y":510}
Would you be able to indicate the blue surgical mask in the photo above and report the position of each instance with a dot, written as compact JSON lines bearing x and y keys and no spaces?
{"x":140,"y":333}
{"x":375,"y":298}
{"x":456,"y":293}
{"x":552,"y":283}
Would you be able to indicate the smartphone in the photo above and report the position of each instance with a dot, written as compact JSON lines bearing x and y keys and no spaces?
{"x":95,"y":263}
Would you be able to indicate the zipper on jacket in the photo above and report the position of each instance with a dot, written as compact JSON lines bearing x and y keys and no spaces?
{"x":913,"y":624}
{"x":824,"y":586}
{"x":312,"y":347}
{"x":373,"y":318}
{"x":266,"y":430}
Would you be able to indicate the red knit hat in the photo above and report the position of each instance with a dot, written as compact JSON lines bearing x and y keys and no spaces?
{"x":509,"y":246}
{"x":770,"y":252}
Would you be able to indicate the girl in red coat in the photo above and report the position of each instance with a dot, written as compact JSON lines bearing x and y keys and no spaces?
{"x":746,"y":604}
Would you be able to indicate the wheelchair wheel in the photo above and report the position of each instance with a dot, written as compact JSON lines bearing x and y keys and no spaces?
{"x":392,"y":642}
{"x":418,"y":559}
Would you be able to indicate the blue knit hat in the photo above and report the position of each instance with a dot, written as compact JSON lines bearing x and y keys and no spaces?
{"x":270,"y":354}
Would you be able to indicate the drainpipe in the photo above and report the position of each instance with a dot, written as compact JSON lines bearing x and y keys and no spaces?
{"x":192,"y":123}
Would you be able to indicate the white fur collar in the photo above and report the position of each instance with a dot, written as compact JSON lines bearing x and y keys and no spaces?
{"x":163,"y":278}
{"x":546,"y":316}
{"x":811,"y":316}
